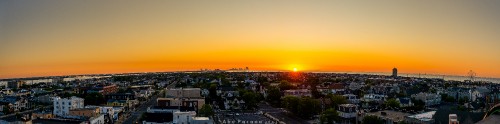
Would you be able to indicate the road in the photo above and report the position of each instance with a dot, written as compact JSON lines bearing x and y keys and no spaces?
{"x":281,"y":114}
{"x":134,"y":117}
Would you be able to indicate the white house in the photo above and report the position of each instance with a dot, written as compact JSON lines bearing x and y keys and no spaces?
{"x":63,"y":105}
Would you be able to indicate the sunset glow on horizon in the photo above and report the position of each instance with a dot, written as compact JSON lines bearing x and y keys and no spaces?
{"x":51,"y":37}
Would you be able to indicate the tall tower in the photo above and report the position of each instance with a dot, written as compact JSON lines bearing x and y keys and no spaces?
{"x":395,"y":72}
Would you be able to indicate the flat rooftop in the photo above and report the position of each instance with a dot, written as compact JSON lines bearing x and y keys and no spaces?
{"x":392,"y":115}
{"x":426,"y":116}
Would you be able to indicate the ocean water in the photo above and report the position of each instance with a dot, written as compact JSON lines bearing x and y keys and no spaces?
{"x":445,"y":77}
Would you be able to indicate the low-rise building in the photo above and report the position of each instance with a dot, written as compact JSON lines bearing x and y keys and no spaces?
{"x":351,"y":98}
{"x":298,"y":92}
{"x":7,"y":91}
{"x":16,"y":103}
{"x":374,"y":98}
{"x":453,"y":119}
{"x":183,"y":93}
{"x":63,"y":105}
{"x":187,"y":102}
{"x":335,"y":88}
{"x":429,"y":99}
{"x":85,"y":112}
{"x":405,"y":102}
{"x":347,"y":112}
{"x":43,"y":114}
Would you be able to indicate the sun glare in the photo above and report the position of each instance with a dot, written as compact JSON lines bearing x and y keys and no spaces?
{"x":294,"y":69}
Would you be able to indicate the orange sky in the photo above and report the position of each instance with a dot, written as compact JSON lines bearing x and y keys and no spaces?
{"x":40,"y":38}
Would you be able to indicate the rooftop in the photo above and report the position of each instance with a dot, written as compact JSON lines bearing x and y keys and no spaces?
{"x":392,"y":115}
{"x":201,"y":118}
{"x":426,"y":116}
{"x":158,"y":117}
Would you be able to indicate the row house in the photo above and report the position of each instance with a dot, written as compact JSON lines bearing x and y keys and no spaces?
{"x":429,"y":99}
{"x":298,"y":92}
{"x":16,"y":103}
{"x":335,"y":88}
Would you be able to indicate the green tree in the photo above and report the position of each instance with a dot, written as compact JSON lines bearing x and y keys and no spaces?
{"x":206,"y":111}
{"x":308,"y":107}
{"x":336,"y":100}
{"x":393,"y":103}
{"x":273,"y":96}
{"x":329,"y":116}
{"x":94,"y":99}
{"x":213,"y":90}
{"x":250,"y":99}
{"x":463,"y":100}
{"x":6,"y":110}
{"x":418,"y":105}
{"x":285,"y":85}
{"x":370,"y":119}
{"x":291,"y":103}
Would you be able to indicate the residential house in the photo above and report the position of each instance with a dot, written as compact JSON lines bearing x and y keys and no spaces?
{"x":429,"y":99}
{"x":17,"y":103}
{"x":351,"y":98}
{"x":197,"y":103}
{"x":404,"y":102}
{"x":335,"y":88}
{"x":298,"y":92}
{"x":347,"y":112}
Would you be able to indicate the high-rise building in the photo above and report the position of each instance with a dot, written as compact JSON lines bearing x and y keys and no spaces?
{"x":395,"y":72}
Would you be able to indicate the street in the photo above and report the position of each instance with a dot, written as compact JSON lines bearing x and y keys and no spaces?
{"x":280,"y":114}
{"x":136,"y":113}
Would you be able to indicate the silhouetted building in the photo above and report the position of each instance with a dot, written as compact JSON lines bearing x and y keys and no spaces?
{"x":395,"y":72}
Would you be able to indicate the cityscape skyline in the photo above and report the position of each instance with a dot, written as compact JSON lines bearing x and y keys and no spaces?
{"x":47,"y":38}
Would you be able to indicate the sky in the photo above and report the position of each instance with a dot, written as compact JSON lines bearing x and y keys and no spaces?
{"x":60,"y":37}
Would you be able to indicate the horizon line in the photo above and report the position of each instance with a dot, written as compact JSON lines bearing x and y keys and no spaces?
{"x":229,"y":70}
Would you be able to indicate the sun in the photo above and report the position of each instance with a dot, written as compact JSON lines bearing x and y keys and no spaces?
{"x":294,"y":69}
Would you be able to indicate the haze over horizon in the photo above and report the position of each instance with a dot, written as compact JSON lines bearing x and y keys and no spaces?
{"x":58,"y":37}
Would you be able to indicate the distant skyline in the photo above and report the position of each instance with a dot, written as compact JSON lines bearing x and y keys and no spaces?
{"x":59,"y":37}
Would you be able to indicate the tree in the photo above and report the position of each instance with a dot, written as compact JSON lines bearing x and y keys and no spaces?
{"x":206,"y":111}
{"x":6,"y":110}
{"x":447,"y":98}
{"x":370,"y":119}
{"x":308,"y":107}
{"x":329,"y":116}
{"x":336,"y":100}
{"x":213,"y":90}
{"x":291,"y":103}
{"x":418,"y":105}
{"x":285,"y":85}
{"x":94,"y":99}
{"x":393,"y":103}
{"x":273,"y":96}
{"x":463,"y":100}
{"x":250,"y":99}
